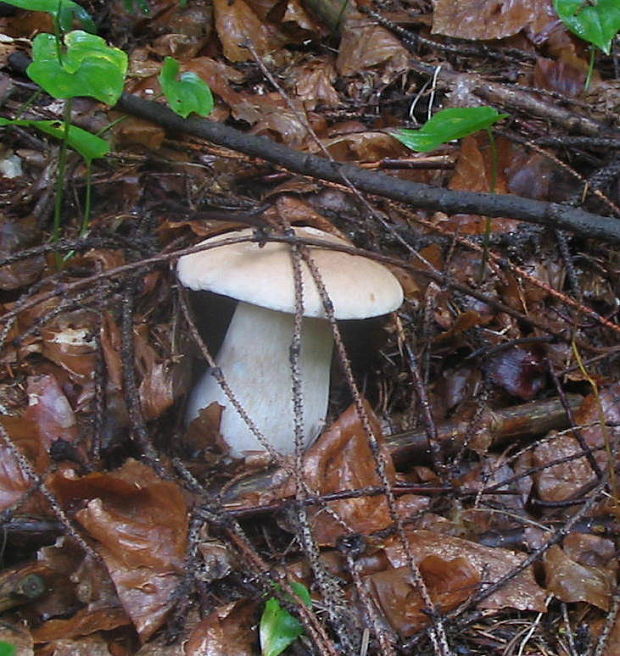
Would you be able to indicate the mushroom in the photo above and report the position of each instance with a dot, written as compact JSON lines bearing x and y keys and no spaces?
{"x":254,"y":357}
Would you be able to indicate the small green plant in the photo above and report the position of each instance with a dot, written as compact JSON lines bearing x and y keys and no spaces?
{"x":6,"y":649}
{"x":64,"y":12}
{"x":278,"y":628}
{"x":186,"y":93}
{"x":85,"y":66}
{"x":447,"y":125}
{"x":75,"y":63}
{"x":594,"y":21}
{"x":455,"y":123}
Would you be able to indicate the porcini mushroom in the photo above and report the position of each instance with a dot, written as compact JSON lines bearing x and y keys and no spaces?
{"x":254,"y":357}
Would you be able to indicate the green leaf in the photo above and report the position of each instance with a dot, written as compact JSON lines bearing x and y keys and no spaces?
{"x":64,"y":11}
{"x":278,"y":628}
{"x":448,"y":124}
{"x":7,"y":649}
{"x":187,"y":93}
{"x":88,"y":145}
{"x":88,"y":66}
{"x":595,"y":21}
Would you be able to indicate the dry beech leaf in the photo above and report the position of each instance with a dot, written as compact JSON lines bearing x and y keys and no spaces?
{"x":50,"y":410}
{"x":229,"y":630}
{"x":565,"y":480}
{"x":314,"y":83}
{"x":341,"y":459}
{"x":449,"y":583}
{"x":14,"y":483}
{"x":521,"y":592}
{"x":485,"y":19}
{"x":583,"y":569}
{"x":140,"y":523}
{"x":237,"y":23}
{"x":364,"y":45}
{"x":68,"y":342}
{"x":363,"y":147}
{"x":474,"y":172}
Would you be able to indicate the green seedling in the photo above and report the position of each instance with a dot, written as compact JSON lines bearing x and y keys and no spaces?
{"x":456,"y":123}
{"x":447,"y":125}
{"x":186,"y":93}
{"x":6,"y":649}
{"x":88,"y":145}
{"x":65,"y":12}
{"x":278,"y":628}
{"x":594,"y":21}
{"x":87,"y":66}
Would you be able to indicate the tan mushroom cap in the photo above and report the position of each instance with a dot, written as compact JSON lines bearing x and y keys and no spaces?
{"x":357,"y":286}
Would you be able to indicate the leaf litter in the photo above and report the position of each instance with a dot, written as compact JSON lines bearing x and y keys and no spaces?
{"x":142,"y":537}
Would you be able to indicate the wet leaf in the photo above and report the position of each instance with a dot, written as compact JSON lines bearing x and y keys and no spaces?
{"x":521,"y":592}
{"x":447,"y":125}
{"x":449,"y":583}
{"x":88,"y":67}
{"x":484,"y":19}
{"x":186,"y":93}
{"x":229,"y":629}
{"x":596,"y":23}
{"x":278,"y":628}
{"x":140,"y":524}
{"x":520,"y":371}
{"x":583,"y":569}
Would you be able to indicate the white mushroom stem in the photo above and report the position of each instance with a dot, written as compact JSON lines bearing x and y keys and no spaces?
{"x":254,"y":360}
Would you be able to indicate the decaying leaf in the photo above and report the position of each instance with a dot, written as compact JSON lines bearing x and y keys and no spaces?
{"x":583,"y":569}
{"x":140,"y":524}
{"x":449,"y":583}
{"x":521,"y":592}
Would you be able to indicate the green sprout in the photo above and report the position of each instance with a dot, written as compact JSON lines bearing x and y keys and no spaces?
{"x":186,"y":93}
{"x":594,"y":21}
{"x":278,"y":628}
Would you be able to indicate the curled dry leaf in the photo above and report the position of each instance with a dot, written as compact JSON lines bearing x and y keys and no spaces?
{"x":140,"y":523}
{"x":237,"y":23}
{"x":583,"y":569}
{"x":449,"y":583}
{"x":486,"y":19}
{"x":521,"y":592}
{"x":364,"y":45}
{"x":68,"y":341}
{"x":342,"y":459}
{"x":314,"y":83}
{"x":14,"y":483}
{"x":50,"y":410}
{"x":564,"y":480}
{"x":229,"y":629}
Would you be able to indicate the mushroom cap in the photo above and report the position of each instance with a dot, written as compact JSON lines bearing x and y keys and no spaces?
{"x":263,"y":275}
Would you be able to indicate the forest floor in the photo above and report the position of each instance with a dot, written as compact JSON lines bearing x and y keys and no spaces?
{"x":462,"y":499}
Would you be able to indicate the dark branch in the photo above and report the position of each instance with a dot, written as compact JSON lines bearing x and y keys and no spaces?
{"x":419,"y":196}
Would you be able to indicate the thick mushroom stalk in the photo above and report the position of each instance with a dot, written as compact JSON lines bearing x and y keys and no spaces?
{"x":254,"y":360}
{"x":255,"y":355}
